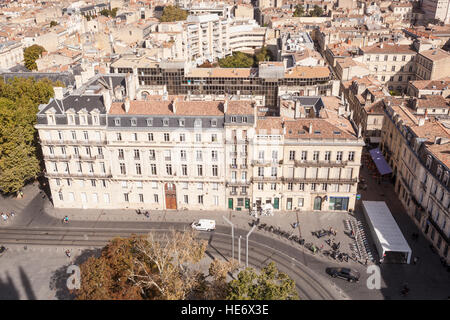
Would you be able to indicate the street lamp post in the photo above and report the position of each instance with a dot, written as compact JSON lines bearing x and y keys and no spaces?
{"x":239,"y":250}
{"x":232,"y":236}
{"x":246,"y":251}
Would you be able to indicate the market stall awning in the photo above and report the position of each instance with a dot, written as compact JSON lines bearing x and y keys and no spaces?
{"x":382,"y":166}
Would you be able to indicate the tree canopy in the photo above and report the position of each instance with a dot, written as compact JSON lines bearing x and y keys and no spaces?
{"x":109,"y":13}
{"x":299,"y":11}
{"x":173,"y":13}
{"x":316,"y":11}
{"x":245,"y":60}
{"x":168,"y":267}
{"x":19,"y":100}
{"x":237,"y":60}
{"x":269,"y":284}
{"x":31,"y":54}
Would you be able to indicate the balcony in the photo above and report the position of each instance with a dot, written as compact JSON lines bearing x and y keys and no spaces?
{"x":237,"y":183}
{"x":233,"y":166}
{"x":306,"y":163}
{"x":321,"y":180}
{"x":73,"y":142}
{"x":57,"y":157}
{"x":77,"y":174}
{"x":87,"y":157}
{"x":265,"y":162}
{"x":244,"y":193}
{"x":233,"y":193}
{"x":265,"y":179}
{"x":244,"y":166}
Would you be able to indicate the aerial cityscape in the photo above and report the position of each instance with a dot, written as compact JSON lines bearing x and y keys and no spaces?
{"x":224,"y":150}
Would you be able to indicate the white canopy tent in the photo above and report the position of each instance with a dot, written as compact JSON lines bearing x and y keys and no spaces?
{"x":387,"y":236}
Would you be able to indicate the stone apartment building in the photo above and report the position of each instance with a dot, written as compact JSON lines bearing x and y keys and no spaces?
{"x":365,"y":102}
{"x":417,"y":149}
{"x":103,"y":148}
{"x":432,"y":64}
{"x":392,"y":64}
{"x":11,"y":54}
{"x":429,"y":87}
{"x":436,"y":9}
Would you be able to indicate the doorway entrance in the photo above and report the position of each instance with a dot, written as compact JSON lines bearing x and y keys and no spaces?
{"x":318,"y":203}
{"x":171,"y":196}
{"x":289,"y":204}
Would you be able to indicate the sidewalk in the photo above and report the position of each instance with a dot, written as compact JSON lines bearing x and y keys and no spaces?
{"x":308,"y":222}
{"x":17,"y":205}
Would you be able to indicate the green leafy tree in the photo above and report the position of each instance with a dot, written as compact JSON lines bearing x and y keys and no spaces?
{"x":299,"y":11}
{"x":316,"y":11}
{"x":114,"y":12}
{"x":237,"y":60}
{"x":173,"y":13}
{"x":31,"y":54}
{"x":19,"y":100}
{"x":105,"y":12}
{"x":53,"y":23}
{"x":18,"y":162}
{"x":263,"y":55}
{"x":269,"y":284}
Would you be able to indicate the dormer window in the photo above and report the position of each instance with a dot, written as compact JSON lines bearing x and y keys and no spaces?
{"x":439,"y":171}
{"x":165,"y":122}
{"x":445,"y":180}
{"x":117,"y":122}
{"x":70,"y":119}
{"x":83,"y":120}
{"x":244,"y":119}
{"x":134,"y":122}
{"x":149,"y":122}
{"x":214,"y":123}
{"x":181,"y":122}
{"x":233,"y":119}
{"x":197,"y":123}
{"x":95,"y":120}
{"x":429,"y":159}
{"x":51,"y":119}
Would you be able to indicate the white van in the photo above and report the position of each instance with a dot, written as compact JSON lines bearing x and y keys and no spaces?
{"x":204,"y":225}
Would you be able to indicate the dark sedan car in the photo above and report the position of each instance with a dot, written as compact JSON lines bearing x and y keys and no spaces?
{"x":344,"y":273}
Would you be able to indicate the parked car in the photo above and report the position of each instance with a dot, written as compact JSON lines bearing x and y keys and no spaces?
{"x":344,"y":273}
{"x":204,"y":225}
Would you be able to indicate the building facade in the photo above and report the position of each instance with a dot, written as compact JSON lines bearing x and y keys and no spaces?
{"x":416,"y":149}
{"x":172,"y":152}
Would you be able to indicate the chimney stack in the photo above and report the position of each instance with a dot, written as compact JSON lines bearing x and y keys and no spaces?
{"x":127,"y":104}
{"x":107,"y":99}
{"x":225,"y":106}
{"x":174,"y":106}
{"x":310,"y":128}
